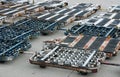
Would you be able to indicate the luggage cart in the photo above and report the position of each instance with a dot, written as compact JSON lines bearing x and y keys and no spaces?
{"x":93,"y":43}
{"x":52,"y":23}
{"x":83,"y":61}
{"x":87,"y":29}
{"x":11,"y":49}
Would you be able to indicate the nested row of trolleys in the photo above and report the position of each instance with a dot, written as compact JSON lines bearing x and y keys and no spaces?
{"x":19,"y":9}
{"x":111,"y":18}
{"x":105,"y":20}
{"x":90,"y":29}
{"x":25,"y":10}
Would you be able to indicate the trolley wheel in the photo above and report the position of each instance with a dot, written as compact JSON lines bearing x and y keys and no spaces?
{"x":83,"y":73}
{"x":2,"y":61}
{"x":42,"y":66}
{"x":115,"y":54}
{"x":44,"y":33}
{"x":21,"y":52}
{"x":108,"y":58}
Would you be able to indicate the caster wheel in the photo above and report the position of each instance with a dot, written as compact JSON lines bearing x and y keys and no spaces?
{"x":115,"y":54}
{"x":42,"y":66}
{"x":107,"y":58}
{"x":44,"y":33}
{"x":83,"y":73}
{"x":21,"y":52}
{"x":2,"y":61}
